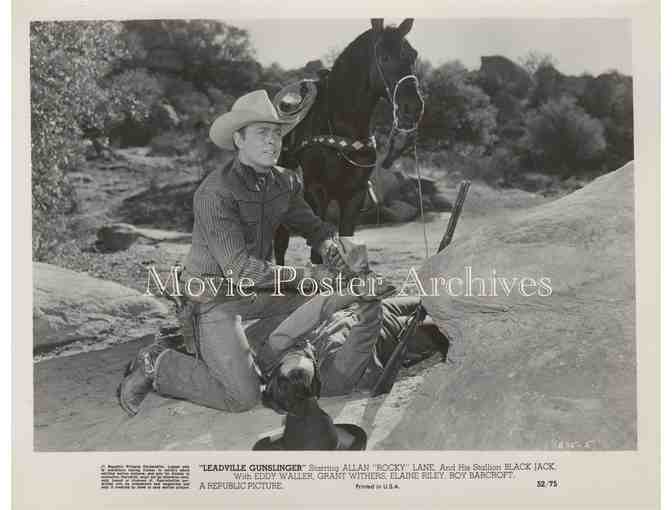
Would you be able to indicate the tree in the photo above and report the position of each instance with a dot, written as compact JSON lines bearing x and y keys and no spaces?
{"x":609,"y":98}
{"x":204,"y":52}
{"x":548,"y":84}
{"x":534,"y":60}
{"x":458,"y":114}
{"x":562,"y":138}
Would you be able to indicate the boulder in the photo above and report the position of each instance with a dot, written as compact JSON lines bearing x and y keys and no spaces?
{"x":70,"y":306}
{"x":442,"y":202}
{"x":116,"y":237}
{"x":167,"y":206}
{"x":398,"y":211}
{"x":120,"y":236}
{"x":387,"y":184}
{"x":499,"y":72}
{"x":552,"y":363}
{"x":427,"y":184}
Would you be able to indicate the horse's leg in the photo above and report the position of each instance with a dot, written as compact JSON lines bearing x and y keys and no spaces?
{"x":280,"y":244}
{"x":316,"y":199}
{"x":350,"y":209}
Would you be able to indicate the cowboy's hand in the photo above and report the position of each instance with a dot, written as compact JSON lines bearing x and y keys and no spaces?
{"x":331,"y":255}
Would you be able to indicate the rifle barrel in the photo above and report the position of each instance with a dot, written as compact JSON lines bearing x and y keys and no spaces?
{"x":386,"y":380}
{"x":455,"y":215}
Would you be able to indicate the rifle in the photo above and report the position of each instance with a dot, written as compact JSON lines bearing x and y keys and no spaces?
{"x":386,"y":380}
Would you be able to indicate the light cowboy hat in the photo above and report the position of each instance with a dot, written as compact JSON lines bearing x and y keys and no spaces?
{"x":248,"y":109}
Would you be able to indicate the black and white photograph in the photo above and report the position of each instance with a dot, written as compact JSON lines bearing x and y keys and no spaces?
{"x":333,"y":234}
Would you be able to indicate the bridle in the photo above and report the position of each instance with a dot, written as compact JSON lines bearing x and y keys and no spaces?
{"x":392,"y":98}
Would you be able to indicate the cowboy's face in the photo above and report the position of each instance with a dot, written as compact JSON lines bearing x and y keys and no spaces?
{"x":259,"y":145}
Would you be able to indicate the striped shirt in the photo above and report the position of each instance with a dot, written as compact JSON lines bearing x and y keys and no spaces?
{"x":236,"y":214}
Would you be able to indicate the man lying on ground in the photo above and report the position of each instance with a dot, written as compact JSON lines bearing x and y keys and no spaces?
{"x":335,"y":346}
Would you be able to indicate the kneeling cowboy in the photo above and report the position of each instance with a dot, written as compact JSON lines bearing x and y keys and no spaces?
{"x":236,"y":212}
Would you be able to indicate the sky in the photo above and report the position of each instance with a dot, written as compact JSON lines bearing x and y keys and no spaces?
{"x":592,"y":45}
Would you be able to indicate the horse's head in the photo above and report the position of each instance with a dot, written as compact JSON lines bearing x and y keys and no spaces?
{"x":392,"y":71}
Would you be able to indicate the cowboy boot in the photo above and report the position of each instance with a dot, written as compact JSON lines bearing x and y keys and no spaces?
{"x":139,"y":378}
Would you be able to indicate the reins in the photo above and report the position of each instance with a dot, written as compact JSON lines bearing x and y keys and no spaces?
{"x":392,"y":97}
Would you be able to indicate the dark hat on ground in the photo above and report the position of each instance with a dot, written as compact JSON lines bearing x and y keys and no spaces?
{"x":315,"y":430}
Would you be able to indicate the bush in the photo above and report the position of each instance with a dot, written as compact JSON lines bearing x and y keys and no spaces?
{"x":136,"y":109}
{"x":504,"y":166}
{"x":194,"y":107}
{"x":562,"y":138}
{"x":609,"y":98}
{"x":133,"y":94}
{"x":458,"y":114}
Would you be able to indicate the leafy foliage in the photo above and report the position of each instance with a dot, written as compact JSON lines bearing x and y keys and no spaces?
{"x":562,"y":138}
{"x":133,"y":93}
{"x":202,"y":52}
{"x":67,"y":63}
{"x":458,"y":114}
{"x":534,"y":60}
{"x":609,"y":98}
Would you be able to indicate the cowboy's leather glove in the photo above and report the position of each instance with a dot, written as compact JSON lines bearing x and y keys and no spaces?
{"x":331,"y":255}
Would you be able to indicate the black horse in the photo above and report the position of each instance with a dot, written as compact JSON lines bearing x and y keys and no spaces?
{"x":332,"y":144}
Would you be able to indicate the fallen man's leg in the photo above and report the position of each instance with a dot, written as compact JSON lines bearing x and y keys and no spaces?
{"x":424,"y":342}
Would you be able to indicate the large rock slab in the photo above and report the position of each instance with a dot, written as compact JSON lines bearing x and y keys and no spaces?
{"x":121,"y":236}
{"x":542,"y":371}
{"x":70,"y":306}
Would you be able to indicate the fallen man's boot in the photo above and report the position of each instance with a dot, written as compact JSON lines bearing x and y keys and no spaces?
{"x":139,"y":378}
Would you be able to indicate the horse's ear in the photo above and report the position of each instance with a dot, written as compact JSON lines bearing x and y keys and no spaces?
{"x":377,"y":25}
{"x":405,"y":27}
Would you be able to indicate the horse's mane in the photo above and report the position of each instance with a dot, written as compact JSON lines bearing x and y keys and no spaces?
{"x":359,"y":47}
